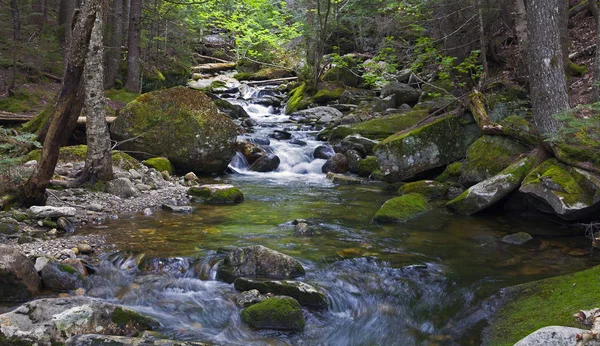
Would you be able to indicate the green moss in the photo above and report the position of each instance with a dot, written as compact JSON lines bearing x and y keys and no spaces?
{"x":550,"y":302}
{"x":221,"y":196}
{"x":243,"y":76}
{"x":518,"y":127}
{"x":160,"y":164}
{"x":379,"y":128}
{"x":429,"y":189}
{"x":281,"y":313}
{"x":298,"y":100}
{"x":402,"y":208}
{"x":49,"y":223}
{"x":67,"y":268}
{"x":123,"y":317}
{"x":77,"y":153}
{"x":120,"y":95}
{"x":325,"y":95}
{"x":367,"y":166}
{"x":576,"y":70}
{"x":21,"y":102}
{"x":451,"y":173}
{"x":36,"y":124}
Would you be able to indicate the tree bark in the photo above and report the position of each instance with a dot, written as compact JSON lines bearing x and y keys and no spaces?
{"x":68,"y":105}
{"x":563,"y":8}
{"x":65,"y":16}
{"x":14,"y":4}
{"x":98,"y":160}
{"x":133,"y":47}
{"x":113,"y":53}
{"x":596,"y":84}
{"x":483,"y":46}
{"x":547,"y":77}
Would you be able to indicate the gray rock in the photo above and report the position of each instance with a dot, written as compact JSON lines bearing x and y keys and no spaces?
{"x":359,"y":143}
{"x":135,"y":175}
{"x":304,"y":293}
{"x":95,"y":207}
{"x":61,"y":277}
{"x":338,"y":163}
{"x":44,"y":212}
{"x":354,"y":158}
{"x":320,"y":115}
{"x":65,"y":225}
{"x":519,"y":238}
{"x":122,"y":187}
{"x":404,"y":93}
{"x":111,"y":340}
{"x":143,"y":187}
{"x":303,"y":230}
{"x":18,"y":278}
{"x":258,"y":261}
{"x":247,"y":298}
{"x":217,"y":193}
{"x":323,"y":151}
{"x":177,"y":208}
{"x":53,"y":321}
{"x":8,"y":228}
{"x":41,"y":262}
{"x":266,"y":163}
{"x":555,"y":336}
{"x":154,"y":179}
{"x":343,"y":179}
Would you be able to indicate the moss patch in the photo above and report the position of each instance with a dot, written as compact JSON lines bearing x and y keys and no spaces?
{"x":280,"y":313}
{"x":323,"y":96}
{"x":367,"y":166}
{"x":126,"y":317}
{"x":161,"y":164}
{"x":429,"y":189}
{"x":451,"y":173}
{"x":77,"y":153}
{"x":67,"y":268}
{"x":298,"y":100}
{"x":379,"y":128}
{"x":518,"y":127}
{"x":120,"y":95}
{"x":402,"y":208}
{"x":21,"y":102}
{"x":221,"y":196}
{"x":550,"y":302}
{"x":576,"y":70}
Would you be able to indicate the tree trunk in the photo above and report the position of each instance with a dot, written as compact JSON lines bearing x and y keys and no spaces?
{"x":547,"y":77}
{"x":596,"y":84}
{"x":68,"y":105}
{"x":38,"y":13}
{"x":113,"y":53}
{"x":133,"y":46}
{"x":486,"y":70}
{"x":65,"y":16}
{"x":14,"y":4}
{"x":125,"y":24}
{"x":563,"y":8}
{"x":98,"y":160}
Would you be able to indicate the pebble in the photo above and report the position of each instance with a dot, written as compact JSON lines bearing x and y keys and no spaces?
{"x":84,"y":248}
{"x":75,"y":251}
{"x":147,"y":211}
{"x":191,"y":176}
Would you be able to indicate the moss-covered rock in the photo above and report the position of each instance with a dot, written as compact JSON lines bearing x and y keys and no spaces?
{"x":326,"y":95}
{"x":437,"y":144}
{"x":298,"y":100}
{"x":367,"y":166}
{"x":278,"y":313}
{"x":451,"y":174}
{"x":161,"y":164}
{"x":568,"y":192}
{"x":379,"y":128}
{"x":18,"y":278}
{"x":428,"y":188}
{"x":77,"y":153}
{"x":550,"y":302}
{"x":181,"y":124}
{"x":491,"y":191}
{"x":217,"y":193}
{"x":402,"y":208}
{"x":488,"y":156}
{"x":265,"y":74}
{"x":304,"y":293}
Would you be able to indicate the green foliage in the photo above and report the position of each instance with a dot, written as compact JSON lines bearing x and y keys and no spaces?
{"x":584,"y":129}
{"x":21,"y":102}
{"x":13,"y":146}
{"x":385,"y":62}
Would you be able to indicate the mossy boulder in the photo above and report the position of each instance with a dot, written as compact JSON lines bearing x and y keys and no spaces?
{"x":402,"y":208}
{"x":77,"y":153}
{"x":404,"y":155}
{"x":60,"y":277}
{"x":258,"y":261}
{"x":491,"y":191}
{"x":451,"y":174}
{"x":232,"y":110}
{"x":181,"y":124}
{"x":569,"y":192}
{"x":298,"y":100}
{"x":488,"y":156}
{"x":18,"y":278}
{"x":326,"y":95}
{"x":379,"y":128}
{"x":367,"y":166}
{"x":217,"y":193}
{"x":304,"y":293}
{"x":428,"y":188}
{"x":519,"y":127}
{"x":161,"y":164}
{"x":550,"y":302}
{"x":278,"y":313}
{"x":403,"y":93}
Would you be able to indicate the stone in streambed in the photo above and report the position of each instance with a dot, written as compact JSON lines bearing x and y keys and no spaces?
{"x":122,"y":187}
{"x":302,"y":229}
{"x":44,"y":212}
{"x":258,"y":261}
{"x":278,"y":313}
{"x":304,"y":293}
{"x":402,"y":208}
{"x":266,"y":163}
{"x":338,"y":163}
{"x":18,"y":278}
{"x":112,"y":340}
{"x":519,"y":238}
{"x":247,"y":298}
{"x":343,"y":179}
{"x":61,"y":277}
{"x":428,"y":188}
{"x":177,"y":208}
{"x":323,"y":151}
{"x":217,"y":193}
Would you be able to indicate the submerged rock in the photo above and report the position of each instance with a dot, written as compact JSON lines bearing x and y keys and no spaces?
{"x":402,"y":208}
{"x":177,"y":208}
{"x":304,"y":293}
{"x":217,"y":193}
{"x":19,"y":279}
{"x":53,"y":321}
{"x":519,"y":238}
{"x":258,"y":261}
{"x":266,"y":163}
{"x":278,"y":313}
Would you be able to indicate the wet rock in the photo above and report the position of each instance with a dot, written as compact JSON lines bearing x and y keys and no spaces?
{"x":402,"y":208}
{"x":111,"y":340}
{"x":304,"y":293}
{"x":323,"y":151}
{"x":519,"y":238}
{"x":428,"y":188}
{"x":176,"y":266}
{"x":65,"y":225}
{"x":251,"y":297}
{"x":281,"y":135}
{"x":554,"y":336}
{"x":60,"y":277}
{"x":53,"y":321}
{"x":122,"y":187}
{"x":258,"y":261}
{"x":39,"y":212}
{"x":278,"y":313}
{"x":217,"y":193}
{"x":354,"y":158}
{"x":338,"y":163}
{"x":249,"y":122}
{"x":404,"y":93}
{"x":260,"y":141}
{"x":232,"y":110}
{"x":76,"y":264}
{"x":492,"y":190}
{"x":367,"y":166}
{"x":298,"y":142}
{"x":302,"y":229}
{"x":250,"y":151}
{"x":343,"y":179}
{"x":359,"y":143}
{"x":266,"y":163}
{"x":18,"y":278}
{"x":177,"y":208}
{"x":319,"y":115}
{"x":84,"y":248}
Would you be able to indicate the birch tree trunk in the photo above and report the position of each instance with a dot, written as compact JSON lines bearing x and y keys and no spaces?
{"x":133,"y":44}
{"x":68,"y":105}
{"x":98,"y":160}
{"x":547,"y":77}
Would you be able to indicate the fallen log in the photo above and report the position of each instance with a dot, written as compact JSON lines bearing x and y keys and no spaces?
{"x":272,"y":81}
{"x":213,"y":67}
{"x":210,"y":58}
{"x":13,"y":118}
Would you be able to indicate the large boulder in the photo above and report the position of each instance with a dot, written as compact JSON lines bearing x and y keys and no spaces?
{"x":379,"y":128}
{"x":122,"y":187}
{"x":18,"y":278}
{"x":258,"y":261}
{"x":304,"y":293}
{"x":53,"y":321}
{"x":319,"y":115}
{"x":181,"y":124}
{"x":488,"y":156}
{"x":217,"y":193}
{"x":566,"y":191}
{"x":278,"y":313}
{"x":555,"y":336}
{"x":404,"y":93}
{"x":437,"y":144}
{"x":402,"y":208}
{"x":338,"y":163}
{"x":491,"y":191}
{"x":61,"y":277}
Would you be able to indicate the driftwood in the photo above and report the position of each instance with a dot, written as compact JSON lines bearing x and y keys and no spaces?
{"x":589,"y":50}
{"x":272,"y":81}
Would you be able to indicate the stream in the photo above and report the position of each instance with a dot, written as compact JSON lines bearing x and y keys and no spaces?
{"x":424,"y":282}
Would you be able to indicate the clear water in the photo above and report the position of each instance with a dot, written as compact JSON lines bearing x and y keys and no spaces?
{"x":424,"y":282}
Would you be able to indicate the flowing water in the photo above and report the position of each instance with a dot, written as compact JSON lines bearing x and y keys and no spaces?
{"x":424,"y":282}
